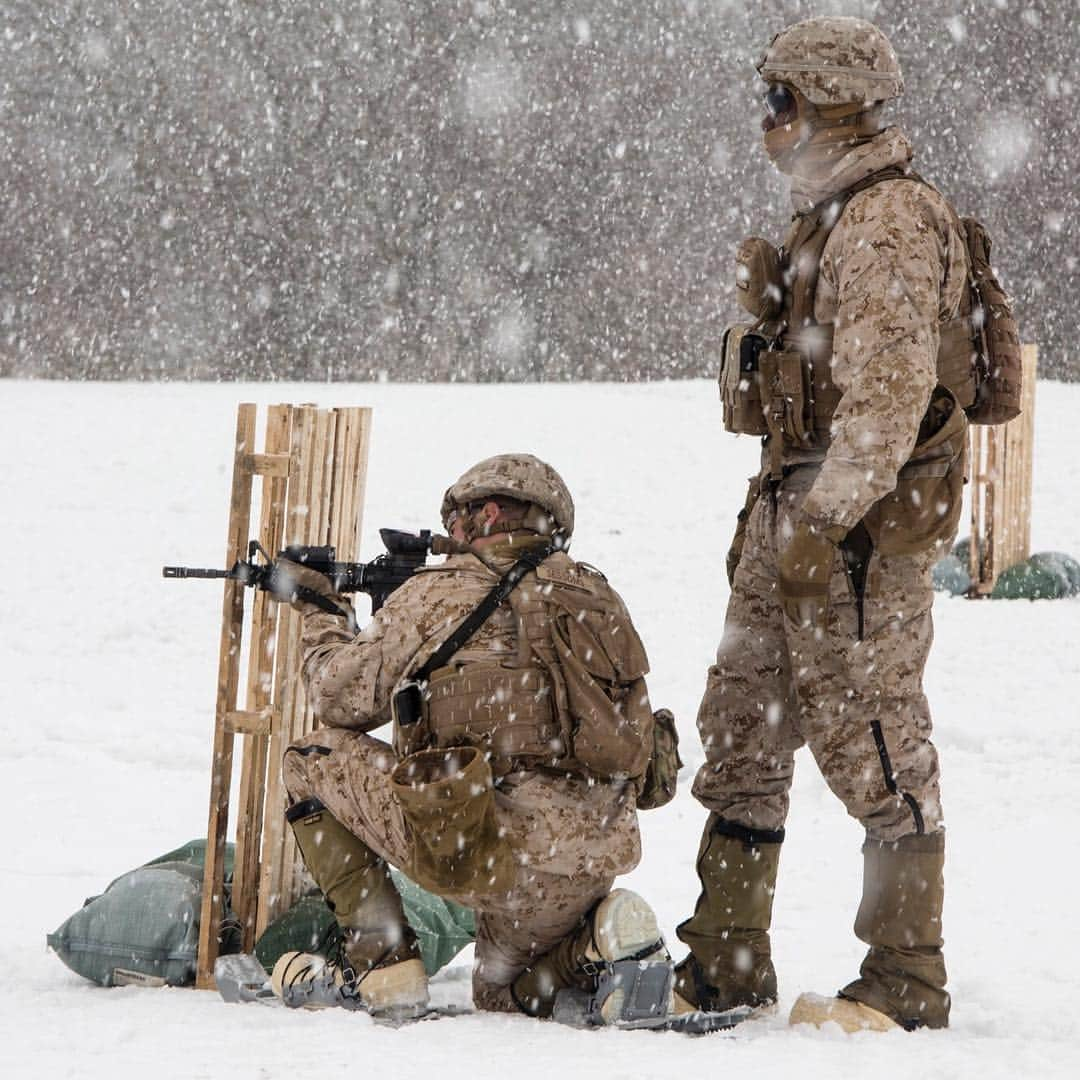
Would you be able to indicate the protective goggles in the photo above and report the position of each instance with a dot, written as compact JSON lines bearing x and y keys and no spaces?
{"x":779,"y":100}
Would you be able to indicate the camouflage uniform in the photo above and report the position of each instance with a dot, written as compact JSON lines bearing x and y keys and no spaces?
{"x":846,"y":682}
{"x":893,"y":267}
{"x":569,"y":837}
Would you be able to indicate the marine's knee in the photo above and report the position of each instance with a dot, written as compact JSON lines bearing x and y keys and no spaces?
{"x":296,"y":768}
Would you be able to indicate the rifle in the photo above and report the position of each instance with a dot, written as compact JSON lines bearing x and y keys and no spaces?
{"x":405,"y":554}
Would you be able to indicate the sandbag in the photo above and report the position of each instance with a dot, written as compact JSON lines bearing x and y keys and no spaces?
{"x":143,"y":930}
{"x":442,"y":927}
{"x":1048,"y":575}
{"x":951,"y":575}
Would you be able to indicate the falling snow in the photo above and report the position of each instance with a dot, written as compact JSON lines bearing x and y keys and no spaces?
{"x":213,"y":189}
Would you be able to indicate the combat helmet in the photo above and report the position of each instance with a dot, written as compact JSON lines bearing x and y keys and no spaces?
{"x":834,"y":60}
{"x":517,"y":476}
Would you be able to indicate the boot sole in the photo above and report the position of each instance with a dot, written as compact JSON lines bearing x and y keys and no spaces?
{"x":624,"y":925}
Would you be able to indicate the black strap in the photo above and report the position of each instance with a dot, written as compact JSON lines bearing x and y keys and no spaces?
{"x":479,"y":614}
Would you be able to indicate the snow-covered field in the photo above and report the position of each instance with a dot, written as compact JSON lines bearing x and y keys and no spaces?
{"x":108,"y":686}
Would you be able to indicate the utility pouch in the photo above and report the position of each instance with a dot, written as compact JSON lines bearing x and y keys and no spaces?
{"x":924,"y":507}
{"x":740,"y":390}
{"x":658,"y":788}
{"x":997,"y":336}
{"x":759,"y":284}
{"x":787,"y":397}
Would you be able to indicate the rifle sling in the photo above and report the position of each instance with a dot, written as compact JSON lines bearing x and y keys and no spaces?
{"x":479,"y":614}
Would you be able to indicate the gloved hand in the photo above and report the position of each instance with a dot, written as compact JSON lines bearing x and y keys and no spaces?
{"x":806,"y":565}
{"x":305,"y":589}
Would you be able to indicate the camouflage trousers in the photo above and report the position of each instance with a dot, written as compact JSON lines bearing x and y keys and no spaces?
{"x":570,"y":840}
{"x":852,"y":692}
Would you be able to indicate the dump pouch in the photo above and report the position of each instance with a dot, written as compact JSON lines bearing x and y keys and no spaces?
{"x":924,"y":507}
{"x":449,"y":806}
{"x":758,"y":279}
{"x":740,"y":382}
{"x":995,"y":328}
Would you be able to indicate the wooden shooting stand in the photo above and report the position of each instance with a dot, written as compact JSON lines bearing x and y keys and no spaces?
{"x":1001,"y":460}
{"x":312,"y":472}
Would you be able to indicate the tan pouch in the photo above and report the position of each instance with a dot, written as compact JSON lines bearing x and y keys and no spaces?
{"x":740,"y":390}
{"x":924,"y":507}
{"x":787,"y":395}
{"x":759,"y":284}
{"x":661,"y":777}
{"x":603,"y":665}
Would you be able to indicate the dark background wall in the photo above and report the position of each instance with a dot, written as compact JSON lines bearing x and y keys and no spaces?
{"x":477,"y":190}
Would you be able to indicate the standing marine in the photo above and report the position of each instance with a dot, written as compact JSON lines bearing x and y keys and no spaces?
{"x":857,"y":373}
{"x":514,"y":682}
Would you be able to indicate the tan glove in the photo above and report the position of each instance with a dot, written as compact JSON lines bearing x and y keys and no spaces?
{"x":307,"y":590}
{"x":806,"y":565}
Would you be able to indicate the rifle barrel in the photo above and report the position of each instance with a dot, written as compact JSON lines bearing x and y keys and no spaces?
{"x":192,"y":571}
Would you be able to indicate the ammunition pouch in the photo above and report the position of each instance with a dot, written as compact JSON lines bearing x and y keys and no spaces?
{"x":788,"y":397}
{"x":924,"y":507}
{"x":759,"y":282}
{"x":740,"y":380}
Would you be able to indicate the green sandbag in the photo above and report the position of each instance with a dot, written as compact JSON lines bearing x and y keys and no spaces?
{"x":442,"y":927}
{"x":951,"y":575}
{"x":962,"y":550}
{"x":1061,"y":564}
{"x":1039,"y":578}
{"x":194,"y":854}
{"x":143,"y":930}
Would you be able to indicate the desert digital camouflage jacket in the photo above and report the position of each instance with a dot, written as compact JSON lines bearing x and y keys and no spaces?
{"x":893,"y":268}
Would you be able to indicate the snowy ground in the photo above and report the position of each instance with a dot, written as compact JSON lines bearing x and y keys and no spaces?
{"x":108,"y":685}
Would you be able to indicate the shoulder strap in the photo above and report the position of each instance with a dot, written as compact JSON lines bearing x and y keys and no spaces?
{"x":814,"y":228}
{"x":479,"y":614}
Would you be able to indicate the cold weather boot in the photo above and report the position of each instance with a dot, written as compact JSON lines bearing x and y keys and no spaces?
{"x":448,"y":803}
{"x":730,"y":961}
{"x":375,"y":962}
{"x":851,"y":1015}
{"x":903,"y":974}
{"x":621,"y":927}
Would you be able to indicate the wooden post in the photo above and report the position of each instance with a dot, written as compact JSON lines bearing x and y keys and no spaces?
{"x":313,"y":472}
{"x":1002,"y":459}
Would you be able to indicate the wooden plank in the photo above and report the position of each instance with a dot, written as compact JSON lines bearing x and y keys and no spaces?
{"x":359,"y":486}
{"x":232,"y":621}
{"x":259,"y":688}
{"x":249,"y":722}
{"x":269,"y":464}
{"x":278,"y":844}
